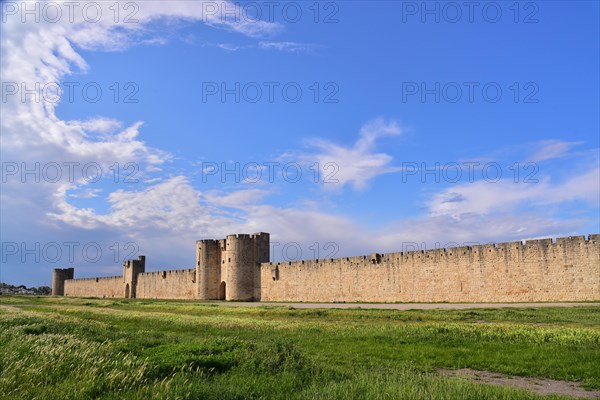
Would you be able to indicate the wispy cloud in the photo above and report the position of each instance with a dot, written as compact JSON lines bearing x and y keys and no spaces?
{"x":549,"y":149}
{"x":290,"y":47}
{"x":354,"y":165}
{"x":228,"y":46}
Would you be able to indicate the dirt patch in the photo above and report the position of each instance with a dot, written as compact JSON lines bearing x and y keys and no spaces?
{"x":537,"y":385}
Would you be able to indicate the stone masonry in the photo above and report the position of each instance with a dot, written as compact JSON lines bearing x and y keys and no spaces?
{"x":238,"y":268}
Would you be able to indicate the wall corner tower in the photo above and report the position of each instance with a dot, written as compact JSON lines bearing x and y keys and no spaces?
{"x":59,"y":276}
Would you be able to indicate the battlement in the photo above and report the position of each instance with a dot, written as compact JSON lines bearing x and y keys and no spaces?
{"x":164,"y":273}
{"x":96,"y":279}
{"x":238,"y":236}
{"x":66,"y":271}
{"x":206,"y":241}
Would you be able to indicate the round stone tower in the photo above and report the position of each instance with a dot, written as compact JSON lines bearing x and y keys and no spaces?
{"x":240,"y":264}
{"x":242,"y":257}
{"x":59,"y":276}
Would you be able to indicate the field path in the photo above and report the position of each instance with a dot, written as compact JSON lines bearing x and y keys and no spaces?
{"x":544,"y":387}
{"x":405,"y":306}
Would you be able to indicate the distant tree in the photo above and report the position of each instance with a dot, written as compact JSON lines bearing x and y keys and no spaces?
{"x":43,"y":290}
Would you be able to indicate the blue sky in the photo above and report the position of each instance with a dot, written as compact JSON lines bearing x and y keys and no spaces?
{"x":406,"y":99}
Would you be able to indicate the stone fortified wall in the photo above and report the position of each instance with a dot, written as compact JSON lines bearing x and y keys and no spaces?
{"x":537,"y":270}
{"x":173,"y":284}
{"x":112,"y":286}
{"x":237,"y":268}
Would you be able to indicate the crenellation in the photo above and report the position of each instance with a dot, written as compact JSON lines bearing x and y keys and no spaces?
{"x":97,"y":279}
{"x":577,"y":239}
{"x":167,"y":271}
{"x":462,"y":250}
{"x":489,"y":248}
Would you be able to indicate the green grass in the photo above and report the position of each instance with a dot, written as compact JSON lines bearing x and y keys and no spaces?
{"x":68,"y":348}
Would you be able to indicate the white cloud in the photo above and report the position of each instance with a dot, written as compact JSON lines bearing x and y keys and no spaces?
{"x":471,"y":228}
{"x":356,"y":165}
{"x":172,"y":205}
{"x":236,"y":199}
{"x":43,"y":53}
{"x":86,"y":194}
{"x":102,"y":125}
{"x":506,"y":195}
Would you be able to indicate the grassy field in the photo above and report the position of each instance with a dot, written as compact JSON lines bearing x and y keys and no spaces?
{"x":65,"y":348}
